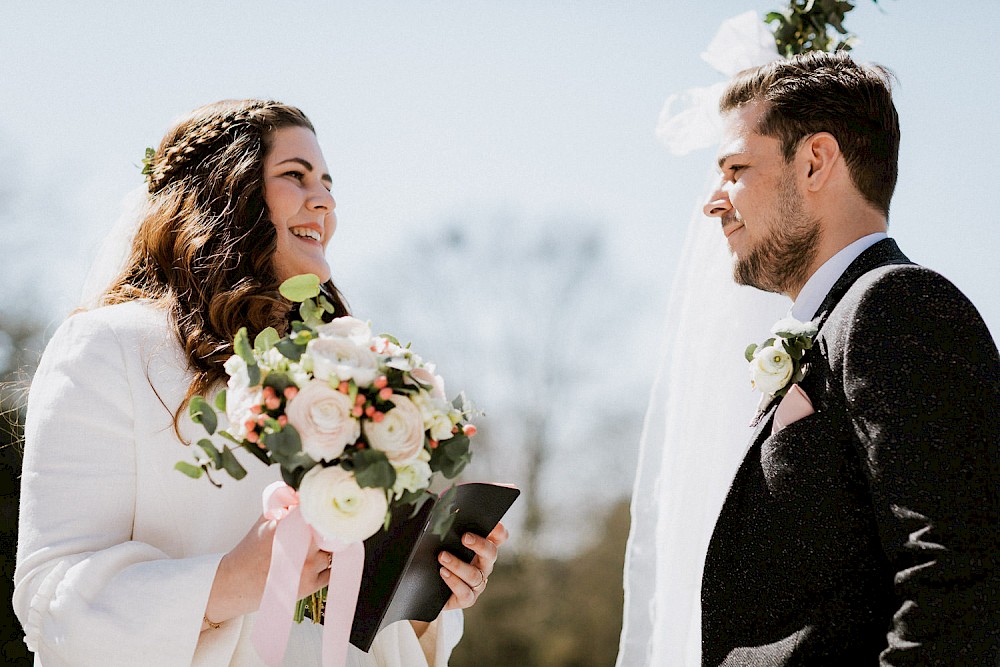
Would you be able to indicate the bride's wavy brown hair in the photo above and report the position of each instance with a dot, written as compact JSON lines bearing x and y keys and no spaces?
{"x":203,"y":250}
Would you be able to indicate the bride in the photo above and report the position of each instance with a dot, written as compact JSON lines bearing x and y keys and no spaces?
{"x":121,"y":560}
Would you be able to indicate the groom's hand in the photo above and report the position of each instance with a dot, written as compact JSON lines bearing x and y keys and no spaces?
{"x":467,"y":581}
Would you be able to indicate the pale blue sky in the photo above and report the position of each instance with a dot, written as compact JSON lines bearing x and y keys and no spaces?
{"x":438,"y":108}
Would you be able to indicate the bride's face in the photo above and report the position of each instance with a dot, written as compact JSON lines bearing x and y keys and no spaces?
{"x":297,"y":193}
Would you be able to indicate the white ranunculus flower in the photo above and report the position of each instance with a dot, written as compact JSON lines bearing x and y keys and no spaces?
{"x":344,"y":359}
{"x":274,"y":360}
{"x":347,"y":327}
{"x":435,"y":413}
{"x":322,"y":417}
{"x":400,"y":435}
{"x":400,"y":362}
{"x":299,"y":375}
{"x":412,"y":477}
{"x":793,"y":328}
{"x":425,"y":377}
{"x":240,"y":396}
{"x":771,"y":369}
{"x":336,"y":507}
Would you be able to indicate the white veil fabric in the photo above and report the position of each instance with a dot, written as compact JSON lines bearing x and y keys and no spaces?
{"x":696,"y":429}
{"x":114,"y":249}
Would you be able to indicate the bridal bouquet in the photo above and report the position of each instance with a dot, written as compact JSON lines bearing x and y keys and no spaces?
{"x":357,"y":422}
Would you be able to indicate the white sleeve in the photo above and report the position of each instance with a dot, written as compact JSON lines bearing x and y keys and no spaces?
{"x":397,"y":645}
{"x":87,"y":593}
{"x":449,"y":631}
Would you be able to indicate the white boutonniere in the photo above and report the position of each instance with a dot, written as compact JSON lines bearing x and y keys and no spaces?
{"x":776,"y":364}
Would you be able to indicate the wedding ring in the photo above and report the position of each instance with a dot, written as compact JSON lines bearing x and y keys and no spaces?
{"x":482,"y":580}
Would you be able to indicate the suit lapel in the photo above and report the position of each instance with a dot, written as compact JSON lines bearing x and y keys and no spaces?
{"x":884,"y":252}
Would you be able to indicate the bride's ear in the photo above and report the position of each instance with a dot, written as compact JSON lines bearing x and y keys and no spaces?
{"x":820,"y":155}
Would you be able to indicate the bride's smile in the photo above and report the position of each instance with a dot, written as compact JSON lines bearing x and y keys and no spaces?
{"x":297,"y":193}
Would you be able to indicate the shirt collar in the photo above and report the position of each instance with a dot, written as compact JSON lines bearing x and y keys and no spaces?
{"x":821,"y":282}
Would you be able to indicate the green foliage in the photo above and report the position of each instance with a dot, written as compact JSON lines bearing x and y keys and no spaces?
{"x":311,"y":313}
{"x":290,"y":349}
{"x":231,"y":465}
{"x":805,"y":26}
{"x":241,"y":346}
{"x":451,"y":455}
{"x":301,"y":287}
{"x":220,"y":401}
{"x":202,"y":413}
{"x":372,"y":469}
{"x":265,"y":340}
{"x":192,"y":471}
{"x":210,"y":450}
{"x":285,"y":446}
{"x":147,"y":161}
{"x":444,"y":513}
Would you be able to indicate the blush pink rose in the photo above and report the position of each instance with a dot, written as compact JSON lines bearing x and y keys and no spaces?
{"x":322,"y":417}
{"x":400,"y":435}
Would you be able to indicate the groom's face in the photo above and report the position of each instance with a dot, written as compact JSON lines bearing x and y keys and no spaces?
{"x":770,"y":235}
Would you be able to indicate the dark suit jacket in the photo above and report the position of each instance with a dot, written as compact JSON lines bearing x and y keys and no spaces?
{"x":867,"y":533}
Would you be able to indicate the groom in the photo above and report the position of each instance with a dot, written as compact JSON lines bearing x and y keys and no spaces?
{"x":866,"y":531}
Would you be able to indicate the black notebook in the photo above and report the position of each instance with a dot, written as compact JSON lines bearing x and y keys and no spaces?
{"x":401,"y":578}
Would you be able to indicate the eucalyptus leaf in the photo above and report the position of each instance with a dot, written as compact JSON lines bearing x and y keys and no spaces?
{"x":220,"y":401}
{"x":748,"y":353}
{"x":296,"y":461}
{"x":241,"y":346}
{"x":312,"y":315}
{"x":326,"y":305}
{"x":202,"y":413}
{"x":451,"y":455}
{"x":419,"y":499}
{"x":253,"y":374}
{"x":301,"y":287}
{"x":290,"y":349}
{"x":372,"y":469}
{"x":258,"y":452}
{"x":284,"y":443}
{"x":444,"y":513}
{"x":231,"y":465}
{"x":192,"y":471}
{"x":213,"y":453}
{"x":230,"y":437}
{"x":265,"y":340}
{"x":293,"y":478}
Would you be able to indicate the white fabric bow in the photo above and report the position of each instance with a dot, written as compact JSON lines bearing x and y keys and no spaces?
{"x":690,"y":120}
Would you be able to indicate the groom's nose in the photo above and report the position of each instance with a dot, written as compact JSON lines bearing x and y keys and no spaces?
{"x":718,"y":204}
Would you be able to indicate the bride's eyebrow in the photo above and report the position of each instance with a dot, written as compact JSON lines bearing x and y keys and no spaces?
{"x":307,"y":166}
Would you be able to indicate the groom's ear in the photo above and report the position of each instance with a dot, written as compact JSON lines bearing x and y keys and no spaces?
{"x":820,"y":154}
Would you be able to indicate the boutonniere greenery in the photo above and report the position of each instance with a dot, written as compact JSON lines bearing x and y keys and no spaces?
{"x":776,"y":364}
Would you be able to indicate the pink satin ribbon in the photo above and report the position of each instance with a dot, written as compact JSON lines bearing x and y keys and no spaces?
{"x":288,"y":554}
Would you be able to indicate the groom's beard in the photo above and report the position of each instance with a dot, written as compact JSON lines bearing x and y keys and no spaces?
{"x":781,"y":261}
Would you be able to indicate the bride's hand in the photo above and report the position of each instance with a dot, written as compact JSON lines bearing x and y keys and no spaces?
{"x":239,"y":582}
{"x":467,"y":581}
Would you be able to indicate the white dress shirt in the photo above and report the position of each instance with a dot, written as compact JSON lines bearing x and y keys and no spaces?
{"x":820,"y":283}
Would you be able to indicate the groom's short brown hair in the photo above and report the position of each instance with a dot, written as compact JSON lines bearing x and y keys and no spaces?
{"x":828,"y":92}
